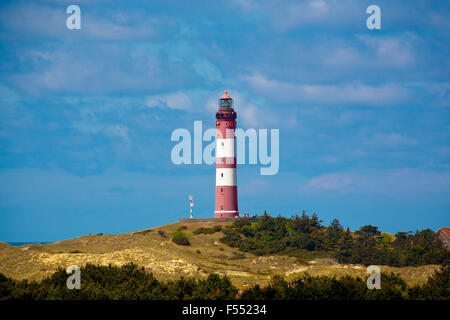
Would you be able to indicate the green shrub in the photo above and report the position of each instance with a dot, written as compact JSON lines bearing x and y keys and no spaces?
{"x":393,"y":287}
{"x":131,"y":282}
{"x":203,"y":230}
{"x":437,"y":286}
{"x":180,"y":238}
{"x":128,"y":282}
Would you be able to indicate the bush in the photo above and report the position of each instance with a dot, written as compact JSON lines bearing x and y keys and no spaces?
{"x":162,"y":233}
{"x":131,"y":282}
{"x":128,"y":282}
{"x":180,"y":238}
{"x":203,"y":230}
{"x":437,"y":286}
{"x":393,"y":287}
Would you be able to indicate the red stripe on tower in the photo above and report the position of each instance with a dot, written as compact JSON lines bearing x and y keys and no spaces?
{"x":226,"y":181}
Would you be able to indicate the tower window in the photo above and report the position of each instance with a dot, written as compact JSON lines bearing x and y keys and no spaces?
{"x":222,"y":144}
{"x":221,"y":189}
{"x":226,"y":103}
{"x":221,"y":174}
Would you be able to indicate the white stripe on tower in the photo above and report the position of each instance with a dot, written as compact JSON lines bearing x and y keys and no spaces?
{"x":226,"y":177}
{"x":225,"y":148}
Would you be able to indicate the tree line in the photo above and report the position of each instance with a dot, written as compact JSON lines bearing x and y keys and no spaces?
{"x":303,"y":235}
{"x":131,"y":282}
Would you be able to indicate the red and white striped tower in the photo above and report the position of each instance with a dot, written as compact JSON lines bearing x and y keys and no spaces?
{"x":226,"y":182}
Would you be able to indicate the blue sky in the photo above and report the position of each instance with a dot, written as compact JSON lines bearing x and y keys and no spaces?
{"x":86,"y":115}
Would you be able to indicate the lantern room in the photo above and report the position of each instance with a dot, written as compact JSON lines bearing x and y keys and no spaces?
{"x":225,"y":101}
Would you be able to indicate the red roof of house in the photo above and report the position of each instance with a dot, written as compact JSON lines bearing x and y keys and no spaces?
{"x":446,"y":231}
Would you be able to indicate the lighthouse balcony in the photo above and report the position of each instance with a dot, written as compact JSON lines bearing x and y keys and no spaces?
{"x":226,"y":115}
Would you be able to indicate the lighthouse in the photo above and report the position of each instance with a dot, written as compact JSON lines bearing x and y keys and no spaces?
{"x":226,"y":182}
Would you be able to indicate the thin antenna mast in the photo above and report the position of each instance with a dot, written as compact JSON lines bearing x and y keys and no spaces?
{"x":191,"y":202}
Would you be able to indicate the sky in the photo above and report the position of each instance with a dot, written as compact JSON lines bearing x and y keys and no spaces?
{"x":86,"y":115}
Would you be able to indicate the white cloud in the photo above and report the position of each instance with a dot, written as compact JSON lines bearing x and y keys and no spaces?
{"x":374,"y":54}
{"x":404,"y":182}
{"x":437,"y":19}
{"x":288,"y":15}
{"x":211,"y":104}
{"x":391,"y":50}
{"x":91,"y":68}
{"x":344,"y":57}
{"x":112,"y":131}
{"x":250,"y":115}
{"x":117,"y":130}
{"x":247,"y":5}
{"x":333,"y":181}
{"x":177,"y":100}
{"x":442,"y":93}
{"x":42,"y":20}
{"x":349,"y":93}
{"x":394,"y":140}
{"x":207,"y":70}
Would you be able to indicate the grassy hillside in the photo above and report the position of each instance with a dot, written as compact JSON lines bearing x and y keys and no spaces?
{"x":155,"y":250}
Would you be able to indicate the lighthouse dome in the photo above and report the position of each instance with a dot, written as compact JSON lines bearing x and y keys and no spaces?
{"x":225,"y":96}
